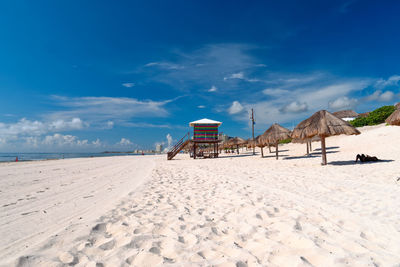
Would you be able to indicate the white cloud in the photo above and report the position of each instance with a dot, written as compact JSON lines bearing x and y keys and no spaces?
{"x":128,"y":85}
{"x":125,"y":142}
{"x":151,"y":125}
{"x":235,"y":108}
{"x":343,"y":103}
{"x":26,"y":127}
{"x":295,"y":107}
{"x":391,"y":81}
{"x":74,"y":124}
{"x":240,"y":76}
{"x":201,"y":106}
{"x":275,"y":92}
{"x":109,"y":124}
{"x":291,"y":101}
{"x":165,"y":65}
{"x":209,"y":64}
{"x":96,"y":143}
{"x":99,"y":111}
{"x":169,"y":141}
{"x":32,"y":141}
{"x":378,"y":95}
{"x":63,"y":140}
{"x":213,"y":89}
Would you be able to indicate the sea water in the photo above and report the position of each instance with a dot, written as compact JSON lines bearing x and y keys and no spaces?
{"x":45,"y":156}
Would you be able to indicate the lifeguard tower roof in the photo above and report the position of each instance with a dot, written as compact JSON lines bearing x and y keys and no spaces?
{"x":205,"y":121}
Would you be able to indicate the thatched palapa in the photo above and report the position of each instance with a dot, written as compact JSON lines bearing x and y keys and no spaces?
{"x":236,"y":142}
{"x":323,"y":124}
{"x":346,"y":114}
{"x":394,"y":118}
{"x":274,"y":134}
{"x":397,"y":106}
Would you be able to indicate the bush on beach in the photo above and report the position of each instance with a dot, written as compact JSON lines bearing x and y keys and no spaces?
{"x":377,"y":116}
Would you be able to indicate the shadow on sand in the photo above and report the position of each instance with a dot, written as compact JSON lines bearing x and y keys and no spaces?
{"x":301,"y":157}
{"x":329,"y":147}
{"x":312,"y":155}
{"x":274,"y":156}
{"x":279,"y":151}
{"x":236,"y":155}
{"x":353,"y":162}
{"x":320,"y":153}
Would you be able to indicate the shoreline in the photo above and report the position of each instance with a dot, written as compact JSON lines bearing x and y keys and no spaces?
{"x":99,"y":155}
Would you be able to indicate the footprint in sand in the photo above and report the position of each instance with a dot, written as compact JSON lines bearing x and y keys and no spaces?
{"x":108,"y":245}
{"x":99,"y":228}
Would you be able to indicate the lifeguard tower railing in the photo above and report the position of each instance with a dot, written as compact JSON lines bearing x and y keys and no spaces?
{"x":179,"y":146}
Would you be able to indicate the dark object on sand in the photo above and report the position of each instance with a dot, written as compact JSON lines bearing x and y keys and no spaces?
{"x":366,"y":158}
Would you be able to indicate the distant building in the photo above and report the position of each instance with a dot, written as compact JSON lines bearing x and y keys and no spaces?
{"x":223,"y":137}
{"x":159,"y":148}
{"x":346,"y":115}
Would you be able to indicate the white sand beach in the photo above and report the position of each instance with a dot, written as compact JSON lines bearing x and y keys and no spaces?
{"x":237,"y":210}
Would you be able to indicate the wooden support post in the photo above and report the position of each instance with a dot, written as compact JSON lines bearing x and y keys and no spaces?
{"x":310,"y":146}
{"x":276,"y":151}
{"x":262,"y":152}
{"x":194,"y":150}
{"x":269,"y":149}
{"x":308,"y":152}
{"x":323,"y":149}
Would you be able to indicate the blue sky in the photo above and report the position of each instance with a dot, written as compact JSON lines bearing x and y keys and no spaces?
{"x":102,"y":75}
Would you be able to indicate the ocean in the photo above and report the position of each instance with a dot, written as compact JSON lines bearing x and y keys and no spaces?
{"x":7,"y":157}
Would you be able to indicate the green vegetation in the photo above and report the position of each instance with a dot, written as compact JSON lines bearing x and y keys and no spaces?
{"x":286,"y":141}
{"x":375,"y":117}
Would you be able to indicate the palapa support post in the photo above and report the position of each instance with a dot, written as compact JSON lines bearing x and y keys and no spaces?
{"x":323,"y":149}
{"x":276,"y":150}
{"x":262,"y":152}
{"x":308,"y":152}
{"x":269,"y":149}
{"x":310,"y":146}
{"x":252,"y":130}
{"x":194,"y":150}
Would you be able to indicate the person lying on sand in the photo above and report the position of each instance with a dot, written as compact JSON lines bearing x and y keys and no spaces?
{"x":366,"y":158}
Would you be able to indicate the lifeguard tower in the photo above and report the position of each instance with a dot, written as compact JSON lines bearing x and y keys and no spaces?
{"x":205,"y":134}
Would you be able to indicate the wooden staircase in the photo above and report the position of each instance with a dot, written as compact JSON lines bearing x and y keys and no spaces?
{"x":179,"y":146}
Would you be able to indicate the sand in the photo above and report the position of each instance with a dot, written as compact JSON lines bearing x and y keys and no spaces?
{"x":232,"y":211}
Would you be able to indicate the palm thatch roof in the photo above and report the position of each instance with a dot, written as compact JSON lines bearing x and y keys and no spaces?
{"x":397,"y":106}
{"x":274,"y":134}
{"x":236,"y":141}
{"x":345,"y":114}
{"x":315,"y":138}
{"x":394,"y":118}
{"x":323,"y":124}
{"x":251,"y":143}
